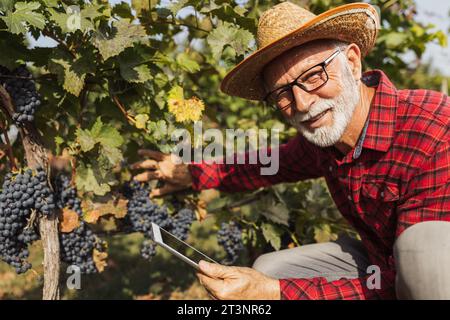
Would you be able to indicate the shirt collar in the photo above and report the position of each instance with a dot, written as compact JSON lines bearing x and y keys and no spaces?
{"x":382,"y":113}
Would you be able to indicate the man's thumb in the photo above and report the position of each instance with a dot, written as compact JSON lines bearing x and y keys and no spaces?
{"x":213,"y":270}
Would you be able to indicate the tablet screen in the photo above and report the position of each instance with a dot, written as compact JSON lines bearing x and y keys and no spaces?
{"x":183,"y":247}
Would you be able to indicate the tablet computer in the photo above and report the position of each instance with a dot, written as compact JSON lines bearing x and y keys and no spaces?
{"x":178,"y":248}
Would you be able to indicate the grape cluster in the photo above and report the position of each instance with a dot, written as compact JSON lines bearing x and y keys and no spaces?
{"x":148,"y":249}
{"x":77,"y":248}
{"x":230,"y":238}
{"x":22,"y":193}
{"x":141,"y":212}
{"x":182,"y":222}
{"x":22,"y":90}
{"x":66,"y":195}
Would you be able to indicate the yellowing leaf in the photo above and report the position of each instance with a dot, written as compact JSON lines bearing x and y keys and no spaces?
{"x":141,"y":121}
{"x":99,"y":258}
{"x":114,"y":206}
{"x":184,"y":110}
{"x":68,"y":220}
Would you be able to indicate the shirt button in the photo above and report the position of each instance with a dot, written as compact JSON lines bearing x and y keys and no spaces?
{"x":382,"y":194}
{"x":349,"y":197}
{"x":330,"y":168}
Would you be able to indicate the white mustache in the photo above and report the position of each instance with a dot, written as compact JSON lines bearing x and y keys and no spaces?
{"x":318,"y":108}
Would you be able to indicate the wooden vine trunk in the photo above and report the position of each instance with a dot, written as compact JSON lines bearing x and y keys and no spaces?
{"x":37,"y":157}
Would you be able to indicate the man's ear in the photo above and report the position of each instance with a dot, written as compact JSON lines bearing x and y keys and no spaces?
{"x":353,"y":55}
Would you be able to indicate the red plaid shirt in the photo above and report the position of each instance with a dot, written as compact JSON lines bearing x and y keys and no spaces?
{"x":400,"y":178}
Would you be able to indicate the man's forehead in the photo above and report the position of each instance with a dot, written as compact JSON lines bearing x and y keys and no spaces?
{"x":300,"y":57}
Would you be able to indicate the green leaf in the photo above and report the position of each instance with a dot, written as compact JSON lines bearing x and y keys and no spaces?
{"x":187,"y":64}
{"x":123,"y":10}
{"x":90,"y":179}
{"x":217,"y":203}
{"x":114,"y":155}
{"x":85,"y":139}
{"x":124,"y":36}
{"x":109,"y":137}
{"x":395,"y":39}
{"x":227,"y":34}
{"x":24,"y":13}
{"x":272,"y":235}
{"x":72,"y":81}
{"x":6,"y":5}
{"x":133,"y":67}
{"x":276,"y":212}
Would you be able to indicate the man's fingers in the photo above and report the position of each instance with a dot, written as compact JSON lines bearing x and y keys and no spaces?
{"x":148,"y":175}
{"x":215,"y":270}
{"x":153,"y":154}
{"x":146,"y":164}
{"x":211,"y":285}
{"x":166,"y":189}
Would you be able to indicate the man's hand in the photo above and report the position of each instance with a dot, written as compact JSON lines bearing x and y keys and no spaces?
{"x":236,"y":283}
{"x":162,"y":166}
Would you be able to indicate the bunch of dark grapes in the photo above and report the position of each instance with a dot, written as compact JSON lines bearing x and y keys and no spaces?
{"x":148,"y":249}
{"x":181,"y":223}
{"x":22,"y":194}
{"x":230,"y":238}
{"x":141,"y":212}
{"x":66,"y":195}
{"x":77,"y":248}
{"x":22,"y":90}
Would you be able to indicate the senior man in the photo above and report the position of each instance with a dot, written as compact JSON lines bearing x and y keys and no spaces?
{"x":383,"y":152}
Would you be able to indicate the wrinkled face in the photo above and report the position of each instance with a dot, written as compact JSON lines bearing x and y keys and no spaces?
{"x":321,"y":115}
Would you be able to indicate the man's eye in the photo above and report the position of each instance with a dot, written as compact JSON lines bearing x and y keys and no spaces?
{"x":313,"y":77}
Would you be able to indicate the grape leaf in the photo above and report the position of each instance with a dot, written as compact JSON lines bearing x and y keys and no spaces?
{"x":227,"y":34}
{"x":272,"y":235}
{"x":6,"y":5}
{"x":106,"y":135}
{"x":141,"y":121}
{"x":68,"y":220}
{"x":100,"y":258}
{"x":133,"y":67}
{"x":276,"y":212}
{"x":90,"y":180}
{"x":113,"y":206}
{"x":72,"y":81}
{"x":85,"y":139}
{"x":124,"y":36}
{"x":187,"y":64}
{"x":24,"y":13}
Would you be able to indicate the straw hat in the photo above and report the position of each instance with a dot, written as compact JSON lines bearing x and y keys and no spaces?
{"x":286,"y":26}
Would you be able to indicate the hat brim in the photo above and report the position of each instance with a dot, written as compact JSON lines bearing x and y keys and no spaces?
{"x":353,"y":23}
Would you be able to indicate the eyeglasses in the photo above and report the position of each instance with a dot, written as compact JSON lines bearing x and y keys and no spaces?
{"x":310,"y":80}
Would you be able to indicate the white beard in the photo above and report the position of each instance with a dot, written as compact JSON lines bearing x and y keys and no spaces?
{"x":342,"y":108}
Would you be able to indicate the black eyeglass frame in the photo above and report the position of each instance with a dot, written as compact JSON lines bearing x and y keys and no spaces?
{"x":291,"y":85}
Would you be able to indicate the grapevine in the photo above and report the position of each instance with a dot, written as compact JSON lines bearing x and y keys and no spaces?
{"x":22,"y":90}
{"x":230,"y":238}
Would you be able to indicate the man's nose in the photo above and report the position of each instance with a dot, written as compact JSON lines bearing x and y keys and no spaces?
{"x":303,"y":99}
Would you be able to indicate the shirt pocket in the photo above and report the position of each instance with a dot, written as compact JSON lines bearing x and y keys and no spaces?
{"x":380,"y":190}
